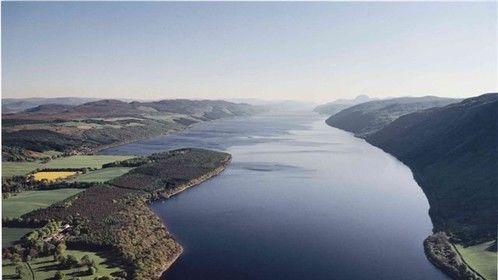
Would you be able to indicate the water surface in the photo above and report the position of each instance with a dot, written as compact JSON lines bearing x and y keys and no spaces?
{"x":301,"y":200}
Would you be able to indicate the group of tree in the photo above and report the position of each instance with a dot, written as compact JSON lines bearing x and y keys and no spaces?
{"x":17,"y":184}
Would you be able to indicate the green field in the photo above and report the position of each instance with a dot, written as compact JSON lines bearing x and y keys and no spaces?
{"x":10,"y":169}
{"x":102,"y":175}
{"x":82,"y":161}
{"x":10,"y":235}
{"x":24,"y":202}
{"x":46,"y":267}
{"x":480,"y":259}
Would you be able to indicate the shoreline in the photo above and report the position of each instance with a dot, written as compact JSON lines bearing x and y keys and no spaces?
{"x":97,"y":150}
{"x":138,"y":236}
{"x":435,"y":259}
{"x":443,"y":254}
{"x":166,"y":194}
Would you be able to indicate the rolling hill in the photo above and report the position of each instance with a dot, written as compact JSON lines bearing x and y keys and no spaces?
{"x":367,"y":118}
{"x":94,"y":125}
{"x":13,"y":105}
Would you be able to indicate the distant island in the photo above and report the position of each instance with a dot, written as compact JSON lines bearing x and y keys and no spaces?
{"x":450,"y":146}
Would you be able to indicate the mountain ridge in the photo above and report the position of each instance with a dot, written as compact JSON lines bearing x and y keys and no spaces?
{"x":452,"y":152}
{"x":369,"y":117}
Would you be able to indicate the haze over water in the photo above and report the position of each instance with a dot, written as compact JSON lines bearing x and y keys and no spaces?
{"x":300,"y":200}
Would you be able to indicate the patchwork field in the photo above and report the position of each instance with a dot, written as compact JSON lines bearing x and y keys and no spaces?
{"x":83,"y":161}
{"x":52,"y":175}
{"x":45,"y":268}
{"x":10,"y":169}
{"x":22,"y":203}
{"x":10,"y":235}
{"x":102,"y":175}
{"x":480,"y":259}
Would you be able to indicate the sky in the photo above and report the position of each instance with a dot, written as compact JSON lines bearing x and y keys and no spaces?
{"x":317,"y":51}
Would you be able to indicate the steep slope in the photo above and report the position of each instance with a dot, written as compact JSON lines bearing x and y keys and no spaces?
{"x":367,"y":118}
{"x":453,"y":154}
{"x":340,"y":104}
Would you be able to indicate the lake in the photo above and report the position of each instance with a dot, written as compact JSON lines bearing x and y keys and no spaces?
{"x":300,"y":200}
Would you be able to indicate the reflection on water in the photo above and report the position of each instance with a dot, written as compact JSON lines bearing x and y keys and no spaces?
{"x":300,"y":200}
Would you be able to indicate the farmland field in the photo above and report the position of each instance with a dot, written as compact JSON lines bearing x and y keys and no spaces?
{"x":46,"y":267}
{"x":10,"y":169}
{"x":22,"y":203}
{"x":102,"y":175}
{"x":52,"y":175}
{"x":83,"y":161}
{"x":480,"y":259}
{"x":10,"y":235}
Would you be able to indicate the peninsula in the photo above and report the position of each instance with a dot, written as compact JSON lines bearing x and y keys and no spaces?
{"x":114,"y":216}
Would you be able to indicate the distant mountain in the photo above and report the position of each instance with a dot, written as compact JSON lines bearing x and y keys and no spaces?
{"x":12,"y":105}
{"x":48,"y":109}
{"x":453,"y":154}
{"x":340,"y":104}
{"x":275,"y":106}
{"x":88,"y":127}
{"x":201,"y":109}
{"x":367,"y":118}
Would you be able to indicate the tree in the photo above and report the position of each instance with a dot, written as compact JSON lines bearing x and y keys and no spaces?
{"x":72,"y":261}
{"x":59,"y":275}
{"x":16,"y":258}
{"x":19,"y":269}
{"x":122,"y":274}
{"x":61,"y":260}
{"x":86,"y":260}
{"x":33,"y":252}
{"x":92,"y":270}
{"x":61,"y":249}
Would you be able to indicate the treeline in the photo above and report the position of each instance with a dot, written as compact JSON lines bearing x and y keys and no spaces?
{"x":16,"y":184}
{"x":132,"y":162}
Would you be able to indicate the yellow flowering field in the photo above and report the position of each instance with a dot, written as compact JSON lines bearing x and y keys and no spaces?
{"x":52,"y":175}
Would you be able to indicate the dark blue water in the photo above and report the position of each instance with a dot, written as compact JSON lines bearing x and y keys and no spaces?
{"x":300,"y":200}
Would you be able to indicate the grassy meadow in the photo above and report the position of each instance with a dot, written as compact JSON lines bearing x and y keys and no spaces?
{"x":83,"y":161}
{"x":45,"y":268}
{"x":480,"y":259}
{"x":10,"y":235}
{"x":10,"y":169}
{"x":25,"y":202}
{"x":102,"y":175}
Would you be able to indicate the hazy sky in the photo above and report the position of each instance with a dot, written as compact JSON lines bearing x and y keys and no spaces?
{"x":314,"y":51}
